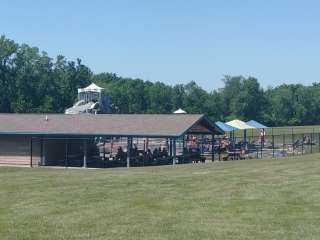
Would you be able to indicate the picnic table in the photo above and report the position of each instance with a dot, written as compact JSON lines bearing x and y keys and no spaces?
{"x":234,"y":155}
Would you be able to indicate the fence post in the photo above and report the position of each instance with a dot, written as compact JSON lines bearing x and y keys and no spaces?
{"x":219,"y":149}
{"x":257,"y":150}
{"x":261,"y":146}
{"x":272,"y":145}
{"x":311,"y":142}
{"x":283,"y":141}
{"x":272,"y":142}
{"x":292,"y":138}
{"x":31,"y":150}
{"x":319,"y":142}
{"x":212,"y":148}
{"x":302,"y":144}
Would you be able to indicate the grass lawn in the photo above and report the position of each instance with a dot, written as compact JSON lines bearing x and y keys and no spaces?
{"x":251,"y":199}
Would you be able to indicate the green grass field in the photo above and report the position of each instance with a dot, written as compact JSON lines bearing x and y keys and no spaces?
{"x":251,"y":199}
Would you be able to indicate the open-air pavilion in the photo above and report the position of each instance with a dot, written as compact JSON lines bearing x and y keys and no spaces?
{"x":87,"y":140}
{"x":240,"y":125}
{"x":242,"y":145}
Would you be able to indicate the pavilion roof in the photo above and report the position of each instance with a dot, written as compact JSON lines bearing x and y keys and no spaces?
{"x":144,"y":125}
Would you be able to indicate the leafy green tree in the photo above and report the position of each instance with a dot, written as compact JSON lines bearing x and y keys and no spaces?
{"x":243,"y":98}
{"x":8,"y":49}
{"x":195,"y":98}
{"x":31,"y":81}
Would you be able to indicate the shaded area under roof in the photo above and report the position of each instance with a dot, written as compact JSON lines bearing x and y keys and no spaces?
{"x":139,"y":125}
{"x":225,"y":127}
{"x":240,"y":125}
{"x":256,"y":124}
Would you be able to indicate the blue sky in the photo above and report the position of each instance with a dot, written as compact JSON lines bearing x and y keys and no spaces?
{"x":176,"y":41}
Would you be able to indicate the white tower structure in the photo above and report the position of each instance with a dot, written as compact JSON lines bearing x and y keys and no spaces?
{"x":91,"y":99}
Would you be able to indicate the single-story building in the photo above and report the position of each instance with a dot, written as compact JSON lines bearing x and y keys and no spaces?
{"x":82,"y":140}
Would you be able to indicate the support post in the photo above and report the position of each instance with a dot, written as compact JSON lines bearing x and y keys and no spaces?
{"x":129,"y":143}
{"x":170,"y":147}
{"x":261,"y":147}
{"x":183,"y":149}
{"x":31,"y":150}
{"x":272,"y":142}
{"x":202,"y":140}
{"x":85,"y":153}
{"x":66,"y":153}
{"x":219,"y":149}
{"x":319,"y":142}
{"x":245,"y":139}
{"x":174,"y":152}
{"x":292,"y":138}
{"x":311,"y":142}
{"x":212,"y":147}
{"x":272,"y":145}
{"x":41,"y":151}
{"x":302,"y":146}
{"x":104,"y":152}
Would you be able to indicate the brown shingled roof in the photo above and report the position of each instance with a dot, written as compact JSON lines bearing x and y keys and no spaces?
{"x":146,"y":125}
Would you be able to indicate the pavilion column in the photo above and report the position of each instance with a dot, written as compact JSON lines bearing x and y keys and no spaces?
{"x":43,"y":151}
{"x":85,"y":145}
{"x":212,"y":147}
{"x":202,"y":141}
{"x":174,"y":151}
{"x":31,"y":151}
{"x":66,"y":153}
{"x":129,"y":146}
{"x":170,"y":147}
{"x":245,"y":139}
{"x":183,"y":148}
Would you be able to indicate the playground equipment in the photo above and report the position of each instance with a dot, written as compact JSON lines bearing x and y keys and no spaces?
{"x":91,"y":99}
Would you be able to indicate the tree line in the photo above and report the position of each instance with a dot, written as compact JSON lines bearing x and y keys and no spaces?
{"x":31,"y":81}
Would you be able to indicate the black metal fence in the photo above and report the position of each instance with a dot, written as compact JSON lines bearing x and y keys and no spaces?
{"x":266,"y":146}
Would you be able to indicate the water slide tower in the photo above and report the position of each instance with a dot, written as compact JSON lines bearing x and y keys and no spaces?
{"x":92,"y":99}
